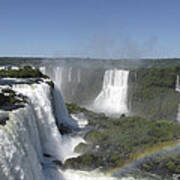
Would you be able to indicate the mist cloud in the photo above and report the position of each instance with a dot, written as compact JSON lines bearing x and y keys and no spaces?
{"x":105,"y":46}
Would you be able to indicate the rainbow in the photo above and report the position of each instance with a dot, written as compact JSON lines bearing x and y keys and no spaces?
{"x":139,"y":156}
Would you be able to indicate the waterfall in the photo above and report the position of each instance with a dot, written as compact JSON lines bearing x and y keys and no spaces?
{"x":58,"y":76}
{"x":113,"y":97}
{"x":40,"y":97}
{"x":177,"y":88}
{"x":177,"y":84}
{"x":30,"y":133}
{"x":79,"y":76}
{"x":84,"y":175}
{"x":178,"y":114}
{"x":61,"y":75}
{"x":43,"y":69}
{"x":70,"y":74}
{"x":75,"y":80}
{"x":59,"y":107}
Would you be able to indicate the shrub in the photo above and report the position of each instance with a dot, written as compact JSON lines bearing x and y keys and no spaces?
{"x":147,"y":167}
{"x":171,"y":165}
{"x":25,"y":72}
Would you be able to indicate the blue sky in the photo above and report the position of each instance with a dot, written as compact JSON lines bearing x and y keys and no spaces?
{"x":90,"y":28}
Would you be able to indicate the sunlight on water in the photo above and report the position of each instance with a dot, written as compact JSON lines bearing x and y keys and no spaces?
{"x":113,"y":96}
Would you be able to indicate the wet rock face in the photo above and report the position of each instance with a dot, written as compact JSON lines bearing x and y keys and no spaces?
{"x":4,"y":116}
{"x":64,"y":129}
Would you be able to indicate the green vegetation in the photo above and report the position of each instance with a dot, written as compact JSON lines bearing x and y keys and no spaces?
{"x":74,"y":108}
{"x":114,"y":142}
{"x":9,"y":100}
{"x":154,"y":95}
{"x":147,"y":167}
{"x":25,"y":72}
{"x":171,"y":165}
{"x":50,"y":83}
{"x":155,"y":77}
{"x":168,"y":163}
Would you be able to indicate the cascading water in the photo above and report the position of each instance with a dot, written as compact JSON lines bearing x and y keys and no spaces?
{"x":30,"y":133}
{"x":83,"y":175}
{"x":177,"y":84}
{"x":30,"y":142}
{"x":79,"y":76}
{"x":70,"y":74}
{"x":177,"y":88}
{"x":60,"y":109}
{"x":178,"y":114}
{"x":74,"y":80}
{"x":113,"y":96}
{"x":61,"y":75}
{"x":58,"y":76}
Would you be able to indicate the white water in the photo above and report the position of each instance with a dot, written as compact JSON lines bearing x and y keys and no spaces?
{"x":113,"y":97}
{"x":79,"y":76}
{"x":70,"y":74}
{"x":61,"y":76}
{"x":111,"y":100}
{"x":178,"y":114}
{"x":94,"y":175}
{"x":83,"y":175}
{"x":58,"y":77}
{"x":60,"y":109}
{"x":177,"y":88}
{"x":43,"y":69}
{"x":30,"y":132}
{"x":21,"y":153}
{"x":81,"y":120}
{"x":177,"y":84}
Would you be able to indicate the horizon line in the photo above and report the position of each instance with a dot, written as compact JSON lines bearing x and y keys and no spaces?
{"x":81,"y":57}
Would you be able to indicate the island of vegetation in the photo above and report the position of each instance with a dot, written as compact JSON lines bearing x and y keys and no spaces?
{"x":115,"y":142}
{"x":23,"y":72}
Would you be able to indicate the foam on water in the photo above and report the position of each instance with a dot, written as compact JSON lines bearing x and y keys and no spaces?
{"x":93,"y":175}
{"x":84,"y":175}
{"x":80,"y":119}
